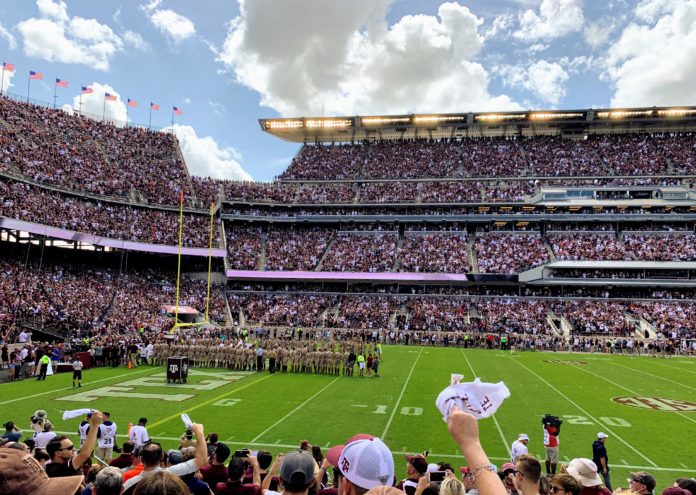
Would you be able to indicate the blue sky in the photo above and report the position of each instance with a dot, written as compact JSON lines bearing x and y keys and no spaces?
{"x":226,"y":63}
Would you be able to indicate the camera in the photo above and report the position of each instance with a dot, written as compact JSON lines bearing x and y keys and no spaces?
{"x":436,"y":476}
{"x":241,"y":453}
{"x":551,"y":420}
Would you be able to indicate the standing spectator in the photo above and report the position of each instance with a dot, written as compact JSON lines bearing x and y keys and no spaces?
{"x":126,"y":458}
{"x":416,"y":468}
{"x":108,"y":481}
{"x":216,"y":472}
{"x":519,"y":447}
{"x":60,"y":449}
{"x":138,"y":433}
{"x":297,"y":472}
{"x":235,"y":477}
{"x":528,"y":475}
{"x":601,"y":459}
{"x":21,"y":474}
{"x":584,"y":471}
{"x":43,"y":438}
{"x":161,"y":483}
{"x":642,"y":483}
{"x":564,"y":484}
{"x":106,"y":438}
{"x":12,"y":433}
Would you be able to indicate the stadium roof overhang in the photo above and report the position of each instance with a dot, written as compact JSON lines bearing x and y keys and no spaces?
{"x":485,"y":124}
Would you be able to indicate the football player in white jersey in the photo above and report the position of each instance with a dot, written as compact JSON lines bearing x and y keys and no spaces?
{"x":138,"y":433}
{"x":83,"y":429}
{"x":106,"y":437}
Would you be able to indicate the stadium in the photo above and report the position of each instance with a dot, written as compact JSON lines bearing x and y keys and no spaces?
{"x":548,"y":253}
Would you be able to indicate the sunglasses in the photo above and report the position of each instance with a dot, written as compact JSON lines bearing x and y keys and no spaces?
{"x":70,"y":447}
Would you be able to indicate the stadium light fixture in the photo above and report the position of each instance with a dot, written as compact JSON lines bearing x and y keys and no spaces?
{"x":327,"y":123}
{"x":429,"y":119}
{"x":554,"y":116}
{"x":497,"y":117}
{"x":676,"y":112}
{"x":283,"y":124}
{"x":384,"y":120}
{"x":624,"y":114}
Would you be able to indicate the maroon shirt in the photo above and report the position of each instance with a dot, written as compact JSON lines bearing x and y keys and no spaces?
{"x":122,"y":461}
{"x":214,"y":474}
{"x":237,"y":488}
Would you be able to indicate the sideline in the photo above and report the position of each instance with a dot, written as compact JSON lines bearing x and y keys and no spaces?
{"x":85,"y":385}
{"x":604,"y":427}
{"x":294,"y":410}
{"x":401,"y":395}
{"x":495,"y":420}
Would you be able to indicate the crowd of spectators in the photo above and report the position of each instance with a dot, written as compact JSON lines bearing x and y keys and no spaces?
{"x":243,"y":246}
{"x":359,"y":252}
{"x":388,"y":192}
{"x":73,"y":152}
{"x":637,"y":247}
{"x":434,"y":253}
{"x":296,"y":248}
{"x":30,"y":203}
{"x":509,"y":252}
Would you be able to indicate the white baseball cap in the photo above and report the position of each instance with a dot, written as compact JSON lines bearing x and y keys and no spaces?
{"x":367,"y":463}
{"x":584,"y":471}
{"x":601,"y":434}
{"x":523,"y":436}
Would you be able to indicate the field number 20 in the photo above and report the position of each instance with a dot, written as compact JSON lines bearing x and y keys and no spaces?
{"x":406,"y":411}
{"x":582,"y":420}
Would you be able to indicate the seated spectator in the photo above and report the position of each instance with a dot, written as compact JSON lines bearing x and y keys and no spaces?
{"x":564,"y":484}
{"x":584,"y":471}
{"x":161,"y":483}
{"x":109,"y":481}
{"x":126,"y":458}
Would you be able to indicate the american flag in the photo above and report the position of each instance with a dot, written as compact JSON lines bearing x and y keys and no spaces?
{"x":154,"y":106}
{"x":62,"y":83}
{"x":110,"y":97}
{"x":132,"y":103}
{"x":86,"y":90}
{"x":35,"y":75}
{"x":178,"y":111}
{"x":8,"y":66}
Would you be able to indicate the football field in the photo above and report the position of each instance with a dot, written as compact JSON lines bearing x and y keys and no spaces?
{"x":647,"y":406}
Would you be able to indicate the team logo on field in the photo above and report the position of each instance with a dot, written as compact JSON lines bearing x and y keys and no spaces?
{"x":656,"y":403}
{"x":561,"y":361}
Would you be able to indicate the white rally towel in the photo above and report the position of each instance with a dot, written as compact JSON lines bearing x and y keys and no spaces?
{"x":481,"y":400}
{"x":75,"y":413}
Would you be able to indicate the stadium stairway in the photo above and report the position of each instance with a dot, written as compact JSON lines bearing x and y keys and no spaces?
{"x":552,"y":255}
{"x":397,"y":257}
{"x":192,"y":190}
{"x":641,"y":325}
{"x":329,"y":245}
{"x":473,"y":261}
{"x":262,"y":255}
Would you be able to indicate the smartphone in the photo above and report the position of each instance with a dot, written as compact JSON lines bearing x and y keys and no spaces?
{"x":241,"y":453}
{"x":437,"y":476}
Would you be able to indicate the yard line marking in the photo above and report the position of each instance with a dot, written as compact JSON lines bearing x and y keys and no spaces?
{"x":604,"y":427}
{"x":495,"y":420}
{"x":83,"y":386}
{"x":654,"y":376}
{"x":208,"y":402}
{"x":403,"y":389}
{"x":673,"y":367}
{"x":278,"y":441}
{"x":684,"y":465}
{"x":395,"y":452}
{"x":623,"y":460}
{"x":294,"y":410}
{"x":630,"y":391}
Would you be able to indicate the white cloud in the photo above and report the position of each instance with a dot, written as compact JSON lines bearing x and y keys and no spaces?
{"x":556,"y":18}
{"x":650,"y":10}
{"x":206,"y":158}
{"x":217,"y":108}
{"x":172,"y":24}
{"x":546,"y":80}
{"x":654,"y":64}
{"x":597,"y":33}
{"x":501,"y":26}
{"x":94,"y":106}
{"x":58,"y":37}
{"x":346,"y":59}
{"x":136,"y":41}
{"x":11,"y":41}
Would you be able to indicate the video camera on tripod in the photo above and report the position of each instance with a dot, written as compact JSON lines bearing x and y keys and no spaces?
{"x":551,"y":420}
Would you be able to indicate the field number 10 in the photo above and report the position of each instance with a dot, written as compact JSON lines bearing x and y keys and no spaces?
{"x":406,"y":411}
{"x":582,"y":420}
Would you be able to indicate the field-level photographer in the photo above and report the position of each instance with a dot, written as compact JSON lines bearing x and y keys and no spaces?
{"x":552,"y":429}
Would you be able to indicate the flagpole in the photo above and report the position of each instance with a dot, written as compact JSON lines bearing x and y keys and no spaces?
{"x":149,"y":122}
{"x":104,"y":110}
{"x":80,"y":112}
{"x":2,"y":81}
{"x":172,"y":120}
{"x":55,"y":94}
{"x":28,"y":87}
{"x":127,"y":107}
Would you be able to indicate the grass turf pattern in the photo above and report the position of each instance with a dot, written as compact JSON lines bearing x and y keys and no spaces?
{"x":275,"y":412}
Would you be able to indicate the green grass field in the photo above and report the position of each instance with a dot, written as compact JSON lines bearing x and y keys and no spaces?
{"x":275,"y":412}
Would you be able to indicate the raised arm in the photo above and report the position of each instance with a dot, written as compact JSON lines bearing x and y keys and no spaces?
{"x":464,"y":430}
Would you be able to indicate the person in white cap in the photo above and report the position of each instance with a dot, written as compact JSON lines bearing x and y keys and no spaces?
{"x":519,"y":447}
{"x":365,"y":463}
{"x":601,"y":459}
